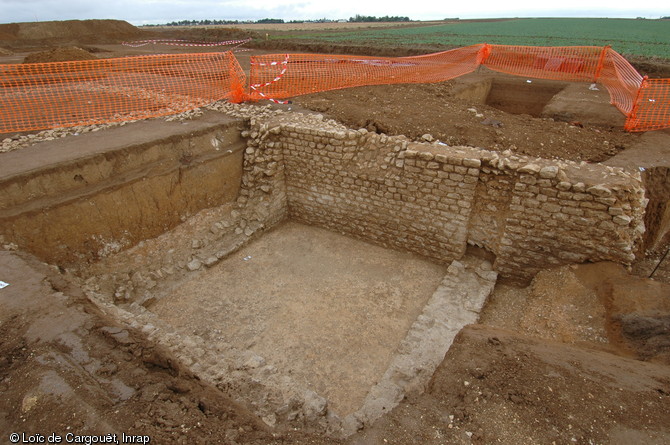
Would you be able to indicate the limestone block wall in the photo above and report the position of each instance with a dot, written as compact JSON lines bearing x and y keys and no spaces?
{"x":488,"y":219}
{"x":433,"y":199}
{"x":380,"y":189}
{"x":560,"y":212}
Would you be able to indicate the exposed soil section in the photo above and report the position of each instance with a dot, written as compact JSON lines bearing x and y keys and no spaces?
{"x":598,"y":306}
{"x":521,"y":98}
{"x":65,"y":368}
{"x":436,"y":109}
{"x":637,"y":310}
{"x":556,"y":306}
{"x":498,"y":386}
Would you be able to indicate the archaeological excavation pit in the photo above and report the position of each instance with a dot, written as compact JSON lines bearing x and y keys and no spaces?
{"x":540,"y":98}
{"x":313,"y":272}
{"x":327,"y":310}
{"x":511,"y":94}
{"x":522,"y":96}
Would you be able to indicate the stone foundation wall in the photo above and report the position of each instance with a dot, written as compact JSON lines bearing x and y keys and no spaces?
{"x":430,"y":199}
{"x":433,"y":199}
{"x":560,"y":212}
{"x":415,"y":203}
{"x":488,"y":219}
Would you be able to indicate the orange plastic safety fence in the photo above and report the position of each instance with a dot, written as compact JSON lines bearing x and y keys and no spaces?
{"x":48,"y":95}
{"x":63,"y":94}
{"x":570,"y":63}
{"x":652,"y":107}
{"x":621,"y":80}
{"x":280,"y":76}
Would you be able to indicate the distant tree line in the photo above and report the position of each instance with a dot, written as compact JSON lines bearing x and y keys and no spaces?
{"x":237,"y":22}
{"x":358,"y":18}
{"x":202,"y":22}
{"x":372,"y":18}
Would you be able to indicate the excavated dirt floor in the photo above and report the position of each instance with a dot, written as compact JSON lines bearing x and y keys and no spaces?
{"x":327,"y":309}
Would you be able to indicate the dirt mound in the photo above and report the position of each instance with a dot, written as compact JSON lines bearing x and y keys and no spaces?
{"x":203,"y":34}
{"x":59,"y":55}
{"x":401,"y":109}
{"x":638,"y":309}
{"x":653,"y":67}
{"x":91,"y":31}
{"x":497,"y":386}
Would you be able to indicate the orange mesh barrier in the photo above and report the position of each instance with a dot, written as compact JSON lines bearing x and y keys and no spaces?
{"x":48,"y":95}
{"x":62,"y":94}
{"x":652,"y":107}
{"x":569,"y":63}
{"x":621,"y":80}
{"x":280,"y":76}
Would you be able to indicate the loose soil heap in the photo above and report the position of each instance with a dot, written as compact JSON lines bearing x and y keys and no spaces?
{"x":418,"y":109}
{"x":63,"y":54}
{"x":59,"y":32}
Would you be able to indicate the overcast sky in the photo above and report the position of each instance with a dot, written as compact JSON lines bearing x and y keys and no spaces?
{"x":140,"y":12}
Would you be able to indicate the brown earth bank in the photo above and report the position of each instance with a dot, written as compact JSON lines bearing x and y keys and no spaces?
{"x":58,"y":32}
{"x":87,"y":32}
{"x":499,"y":386}
{"x":597,"y":306}
{"x":65,"y":368}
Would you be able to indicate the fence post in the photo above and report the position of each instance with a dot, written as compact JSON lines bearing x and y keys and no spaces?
{"x":483,"y":54}
{"x":630,"y":124}
{"x":601,"y":62}
{"x":238,"y":93}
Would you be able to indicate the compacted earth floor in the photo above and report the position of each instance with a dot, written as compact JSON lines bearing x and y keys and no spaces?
{"x":327,"y":309}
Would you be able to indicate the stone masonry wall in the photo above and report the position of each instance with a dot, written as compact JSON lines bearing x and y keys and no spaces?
{"x":416,"y":202}
{"x":433,"y":199}
{"x":561,"y":212}
{"x":488,"y":219}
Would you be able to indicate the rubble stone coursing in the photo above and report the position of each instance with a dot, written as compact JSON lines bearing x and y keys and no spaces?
{"x":433,"y":200}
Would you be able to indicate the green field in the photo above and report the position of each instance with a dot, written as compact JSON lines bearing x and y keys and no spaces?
{"x":627,"y":36}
